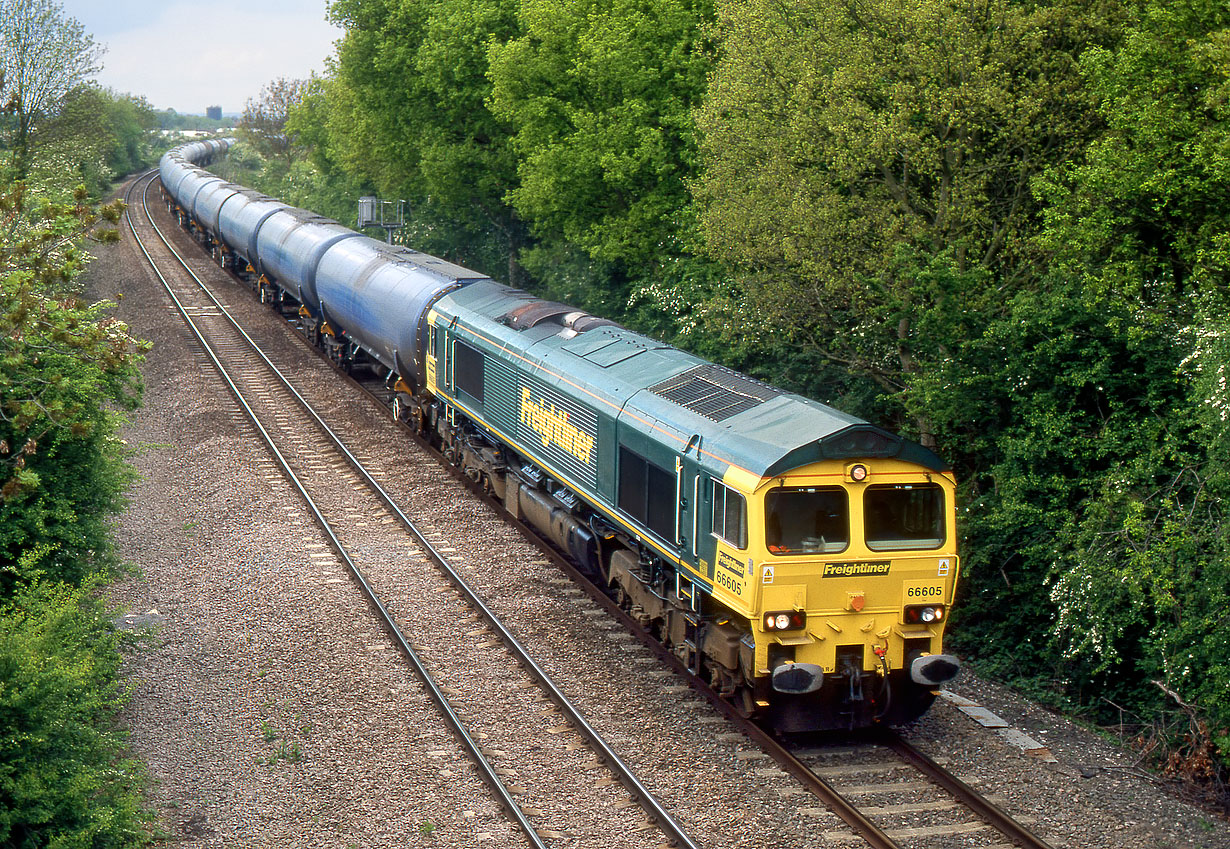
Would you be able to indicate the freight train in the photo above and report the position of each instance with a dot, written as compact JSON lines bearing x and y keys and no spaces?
{"x":800,"y":559}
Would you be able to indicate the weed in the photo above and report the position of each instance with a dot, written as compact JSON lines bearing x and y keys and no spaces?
{"x":426,"y":828}
{"x":288,"y":752}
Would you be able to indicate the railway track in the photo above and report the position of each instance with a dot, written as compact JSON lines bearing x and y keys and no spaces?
{"x":891,"y":794}
{"x":850,"y":780}
{"x":397,"y":566}
{"x":877,"y":783}
{"x":852,"y":776}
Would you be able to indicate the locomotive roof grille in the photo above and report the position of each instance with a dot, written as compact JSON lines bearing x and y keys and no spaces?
{"x":715,"y":392}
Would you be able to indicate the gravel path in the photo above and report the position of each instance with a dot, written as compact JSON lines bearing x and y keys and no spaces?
{"x":272,"y":713}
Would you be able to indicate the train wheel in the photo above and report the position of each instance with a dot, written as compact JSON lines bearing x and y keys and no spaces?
{"x":399,"y":408}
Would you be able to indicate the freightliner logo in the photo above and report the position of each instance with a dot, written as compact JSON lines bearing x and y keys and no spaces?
{"x":552,"y":426}
{"x":852,"y":570}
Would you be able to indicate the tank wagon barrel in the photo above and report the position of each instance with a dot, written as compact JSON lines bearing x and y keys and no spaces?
{"x":800,"y":558}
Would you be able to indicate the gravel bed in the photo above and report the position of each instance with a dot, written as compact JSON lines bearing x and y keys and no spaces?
{"x":271,"y":712}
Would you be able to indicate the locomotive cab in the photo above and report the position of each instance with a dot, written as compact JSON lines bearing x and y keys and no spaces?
{"x":853,"y":567}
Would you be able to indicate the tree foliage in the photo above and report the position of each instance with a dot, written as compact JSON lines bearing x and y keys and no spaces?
{"x":45,"y":56}
{"x":1142,"y":577}
{"x":95,"y":136}
{"x":412,"y":119}
{"x":65,"y":364}
{"x":851,"y":145}
{"x":263,"y":122}
{"x":600,"y":95}
{"x":65,"y":371}
{"x":65,"y":777}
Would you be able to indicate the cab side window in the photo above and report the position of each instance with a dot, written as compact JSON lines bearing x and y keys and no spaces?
{"x":729,"y":515}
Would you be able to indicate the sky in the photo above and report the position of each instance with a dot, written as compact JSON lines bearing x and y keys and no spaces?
{"x":189,"y":55}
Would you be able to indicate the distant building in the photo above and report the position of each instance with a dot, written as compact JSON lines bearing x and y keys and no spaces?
{"x":213,"y":112}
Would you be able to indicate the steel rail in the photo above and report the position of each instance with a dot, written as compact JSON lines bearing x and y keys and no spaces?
{"x":818,"y":787}
{"x":969,"y":797}
{"x":613,"y":761}
{"x":437,"y":695}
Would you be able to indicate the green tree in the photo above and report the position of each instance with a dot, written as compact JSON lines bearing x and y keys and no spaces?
{"x":320,"y":179}
{"x":1055,"y":396}
{"x":66,"y":778}
{"x":600,"y":96}
{"x":95,"y":135}
{"x":263,"y":122}
{"x":1149,"y":205}
{"x":45,"y":56}
{"x":412,"y":120}
{"x":850,"y":146}
{"x":130,"y":122}
{"x":1141,"y":581}
{"x":65,"y":368}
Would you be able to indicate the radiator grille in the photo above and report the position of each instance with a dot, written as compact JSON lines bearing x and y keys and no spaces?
{"x":715,"y":392}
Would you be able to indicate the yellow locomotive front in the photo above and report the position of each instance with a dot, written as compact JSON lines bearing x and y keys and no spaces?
{"x":853,"y":566}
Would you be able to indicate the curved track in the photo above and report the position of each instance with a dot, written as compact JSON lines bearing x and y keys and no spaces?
{"x":314,"y":460}
{"x":951,"y":807}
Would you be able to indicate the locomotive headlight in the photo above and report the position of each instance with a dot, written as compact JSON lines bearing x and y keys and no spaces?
{"x":784,"y":620}
{"x":924,"y":614}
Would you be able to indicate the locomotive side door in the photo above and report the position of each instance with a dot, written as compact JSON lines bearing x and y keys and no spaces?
{"x":431,"y":357}
{"x":686,"y":487}
{"x":689,"y":493}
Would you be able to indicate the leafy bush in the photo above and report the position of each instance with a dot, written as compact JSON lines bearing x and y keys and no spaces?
{"x":65,"y":778}
{"x":66,"y":368}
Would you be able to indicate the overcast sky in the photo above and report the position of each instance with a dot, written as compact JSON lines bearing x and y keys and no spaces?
{"x":187,"y":56}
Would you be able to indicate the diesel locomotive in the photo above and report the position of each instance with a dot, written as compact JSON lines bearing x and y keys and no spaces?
{"x":802,"y":560}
